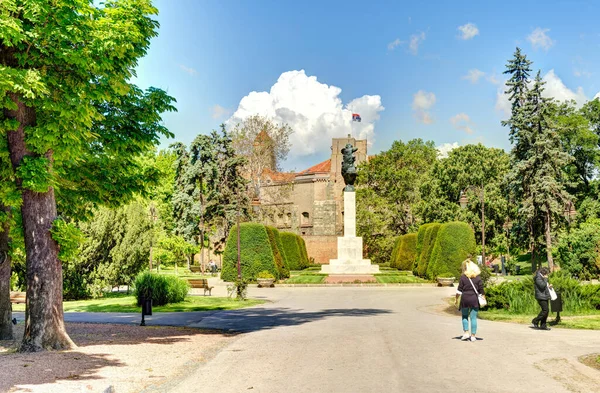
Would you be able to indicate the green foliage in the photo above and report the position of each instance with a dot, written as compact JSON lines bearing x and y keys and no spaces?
{"x":35,"y":173}
{"x":116,"y":248}
{"x":265,"y":274}
{"x":68,"y":237}
{"x":455,"y":241}
{"x":291,"y":247}
{"x":429,"y":234}
{"x":393,"y":257}
{"x":578,"y":250}
{"x":239,"y":288}
{"x":163,"y":289}
{"x":407,"y":252}
{"x":256,"y":253}
{"x":278,"y":253}
{"x":304,"y":262}
{"x":388,"y":193}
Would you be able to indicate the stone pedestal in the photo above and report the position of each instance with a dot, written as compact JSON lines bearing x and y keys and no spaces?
{"x":350,"y":259}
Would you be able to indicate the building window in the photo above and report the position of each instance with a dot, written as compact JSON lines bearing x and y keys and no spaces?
{"x":305,"y":218}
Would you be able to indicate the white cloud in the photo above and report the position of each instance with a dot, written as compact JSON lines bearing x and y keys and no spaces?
{"x":462,"y":122}
{"x":468,"y":31}
{"x":502,"y":103}
{"x":313,"y":110}
{"x":189,"y":70}
{"x":422,"y":102}
{"x":493,"y":79}
{"x":539,"y":39}
{"x":597,"y":95}
{"x":474,"y":75}
{"x":580,"y":73}
{"x":415,"y":41}
{"x":218,"y":111}
{"x":392,"y":45}
{"x":445,"y":148}
{"x":555,"y":88}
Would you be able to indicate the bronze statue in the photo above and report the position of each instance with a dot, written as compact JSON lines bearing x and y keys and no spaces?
{"x":348,"y":168}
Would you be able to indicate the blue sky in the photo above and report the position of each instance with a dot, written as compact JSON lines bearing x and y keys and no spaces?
{"x":435,"y":81}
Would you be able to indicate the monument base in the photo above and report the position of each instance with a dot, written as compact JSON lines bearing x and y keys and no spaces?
{"x":349,"y":260}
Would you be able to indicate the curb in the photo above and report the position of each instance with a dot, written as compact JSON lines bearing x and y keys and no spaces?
{"x":359,"y":285}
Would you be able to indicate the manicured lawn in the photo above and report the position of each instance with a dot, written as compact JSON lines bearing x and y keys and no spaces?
{"x":589,"y":321}
{"x":304,"y":273}
{"x":126,"y":303}
{"x":398,"y":279}
{"x":306,"y":279}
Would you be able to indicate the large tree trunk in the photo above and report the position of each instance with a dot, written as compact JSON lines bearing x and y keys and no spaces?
{"x":548,"y":233}
{"x":6,"y":330}
{"x":44,"y":325}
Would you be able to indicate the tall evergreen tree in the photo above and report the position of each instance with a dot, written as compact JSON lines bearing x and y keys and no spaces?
{"x":536,"y":177}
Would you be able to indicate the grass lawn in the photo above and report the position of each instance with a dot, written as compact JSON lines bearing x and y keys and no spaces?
{"x":126,"y":303}
{"x":306,"y":279}
{"x":588,"y":321}
{"x":398,"y":279}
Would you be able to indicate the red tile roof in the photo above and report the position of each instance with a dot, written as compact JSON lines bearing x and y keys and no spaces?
{"x":278,"y":176}
{"x":323,"y":167}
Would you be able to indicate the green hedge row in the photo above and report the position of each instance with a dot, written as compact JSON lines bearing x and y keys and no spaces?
{"x":425,"y":241}
{"x":164,"y":289}
{"x":256,"y":253}
{"x":281,"y":261}
{"x":405,"y":252}
{"x":455,"y":242}
{"x":295,"y":250}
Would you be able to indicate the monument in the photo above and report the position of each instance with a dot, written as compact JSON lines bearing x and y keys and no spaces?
{"x":350,"y":259}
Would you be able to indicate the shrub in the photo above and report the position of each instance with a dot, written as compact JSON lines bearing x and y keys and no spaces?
{"x":407,"y":252}
{"x":393,"y":258}
{"x":276,"y":248}
{"x":291,"y":248}
{"x":265,"y":274}
{"x":429,"y":232}
{"x":164,"y":289}
{"x":303,"y":253}
{"x":577,"y":251}
{"x":256,"y":253}
{"x":455,"y":241}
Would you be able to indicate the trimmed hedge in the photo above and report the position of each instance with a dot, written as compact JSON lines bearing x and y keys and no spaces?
{"x":395,"y":252}
{"x":278,"y":253}
{"x":407,"y":252}
{"x":428,"y":234}
{"x":454,"y":243}
{"x":165,"y":289}
{"x":295,"y":250}
{"x":303,"y":253}
{"x":256,"y":253}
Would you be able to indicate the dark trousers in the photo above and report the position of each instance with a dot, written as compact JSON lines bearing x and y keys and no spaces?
{"x":543,"y":315}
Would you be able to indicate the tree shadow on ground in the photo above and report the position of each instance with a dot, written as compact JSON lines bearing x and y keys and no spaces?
{"x":255,"y":319}
{"x":76,"y":365}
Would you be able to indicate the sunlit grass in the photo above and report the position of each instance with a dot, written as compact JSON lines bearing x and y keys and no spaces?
{"x":126,"y":303}
{"x":306,"y":279}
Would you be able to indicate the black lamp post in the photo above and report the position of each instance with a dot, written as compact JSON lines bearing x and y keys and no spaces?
{"x":464,"y":201}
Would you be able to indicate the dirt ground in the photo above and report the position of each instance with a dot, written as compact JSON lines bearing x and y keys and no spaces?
{"x":125,"y":357}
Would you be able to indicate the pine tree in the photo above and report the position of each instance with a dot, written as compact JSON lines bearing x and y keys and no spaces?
{"x":537,"y":159}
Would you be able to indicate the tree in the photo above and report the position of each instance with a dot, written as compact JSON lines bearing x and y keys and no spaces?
{"x":208,"y":187}
{"x":61,"y":63}
{"x":387,"y":193}
{"x":264,"y":144}
{"x":537,"y":159}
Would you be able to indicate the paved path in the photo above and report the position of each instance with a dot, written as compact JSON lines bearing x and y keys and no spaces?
{"x":390,"y":339}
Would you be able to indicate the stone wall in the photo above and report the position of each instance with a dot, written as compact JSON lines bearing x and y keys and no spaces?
{"x":321,"y":248}
{"x":324,"y":218}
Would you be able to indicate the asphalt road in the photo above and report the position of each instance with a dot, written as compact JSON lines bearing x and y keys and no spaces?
{"x":382,"y":340}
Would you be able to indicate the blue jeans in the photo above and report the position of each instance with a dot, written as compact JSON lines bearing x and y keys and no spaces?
{"x":465,"y":319}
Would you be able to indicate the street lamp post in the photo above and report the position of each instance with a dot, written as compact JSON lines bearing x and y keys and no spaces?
{"x":239,"y":265}
{"x":464,"y":201}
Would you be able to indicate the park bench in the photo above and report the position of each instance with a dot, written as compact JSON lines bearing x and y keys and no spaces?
{"x":17,"y":297}
{"x":201,"y":283}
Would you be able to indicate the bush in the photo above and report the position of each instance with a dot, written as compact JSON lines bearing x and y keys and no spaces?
{"x":278,"y":254}
{"x":303,"y":253}
{"x":256,"y":253}
{"x":265,"y":274}
{"x":164,"y":289}
{"x":291,"y":247}
{"x":428,"y":232}
{"x":455,"y":241}
{"x":577,"y":251}
{"x":407,"y":252}
{"x":393,"y":258}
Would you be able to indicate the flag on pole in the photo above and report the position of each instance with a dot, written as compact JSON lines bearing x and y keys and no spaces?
{"x":356,"y":117}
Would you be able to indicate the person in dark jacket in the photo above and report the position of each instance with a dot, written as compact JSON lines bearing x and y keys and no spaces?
{"x":469,"y":303}
{"x":542,"y":295}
